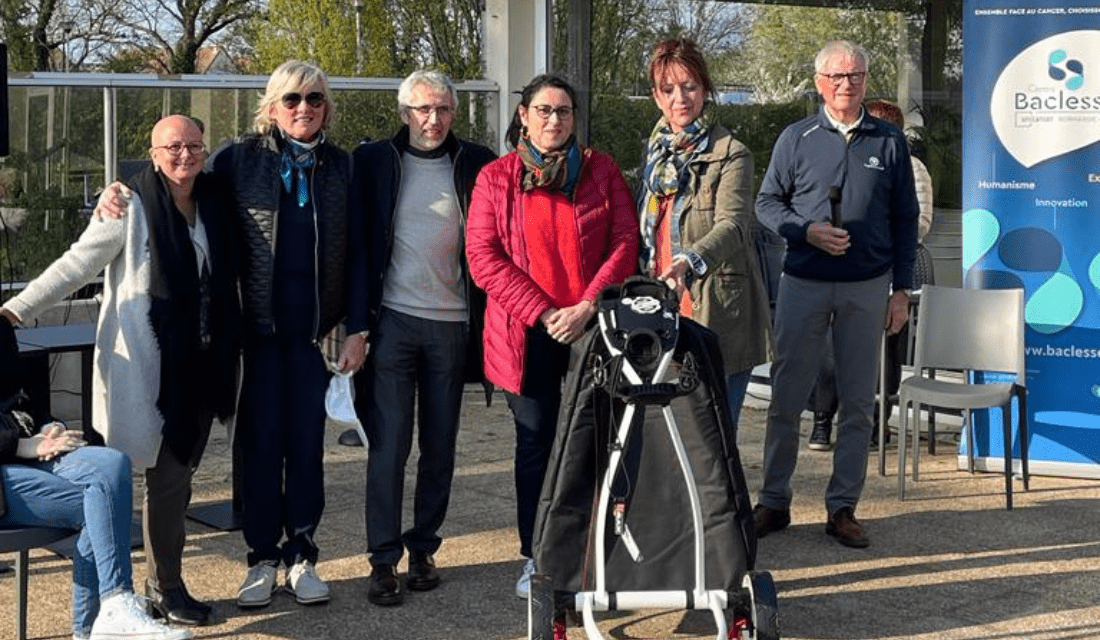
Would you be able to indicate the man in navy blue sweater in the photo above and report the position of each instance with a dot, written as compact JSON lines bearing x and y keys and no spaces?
{"x":839,"y":189}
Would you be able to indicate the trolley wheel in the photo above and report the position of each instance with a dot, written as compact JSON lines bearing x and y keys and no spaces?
{"x":765,"y":605}
{"x":540,"y":608}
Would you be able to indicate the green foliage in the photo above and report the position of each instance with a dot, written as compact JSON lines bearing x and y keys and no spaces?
{"x":315,"y":30}
{"x":940,"y":146}
{"x":373,"y":115}
{"x":621,"y":126}
{"x":323,"y":32}
{"x":442,"y":34}
{"x":779,"y":51}
{"x":36,"y":225}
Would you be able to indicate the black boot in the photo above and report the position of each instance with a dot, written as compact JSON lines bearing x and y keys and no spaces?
{"x":820,"y":437}
{"x":177,"y":606}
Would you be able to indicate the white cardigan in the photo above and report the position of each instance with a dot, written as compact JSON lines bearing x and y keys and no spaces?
{"x":126,"y":378}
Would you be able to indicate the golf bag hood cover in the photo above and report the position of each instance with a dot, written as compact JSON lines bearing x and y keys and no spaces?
{"x":649,"y":489}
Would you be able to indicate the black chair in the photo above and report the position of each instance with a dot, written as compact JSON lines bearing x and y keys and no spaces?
{"x":22,"y":540}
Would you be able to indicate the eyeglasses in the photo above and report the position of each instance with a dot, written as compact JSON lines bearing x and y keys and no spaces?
{"x":544,"y":111}
{"x":315,"y":99}
{"x":176,"y":148}
{"x":426,"y":111}
{"x":856,"y":78}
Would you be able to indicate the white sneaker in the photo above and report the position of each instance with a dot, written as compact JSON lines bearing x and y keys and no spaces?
{"x":523,"y":585}
{"x":258,"y":586}
{"x":123,"y":617}
{"x":302,"y":582}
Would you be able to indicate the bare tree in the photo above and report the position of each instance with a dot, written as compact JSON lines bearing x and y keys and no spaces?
{"x":445,"y":34}
{"x":49,"y":35}
{"x":170,"y":33}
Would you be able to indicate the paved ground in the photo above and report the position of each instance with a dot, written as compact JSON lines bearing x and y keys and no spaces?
{"x":949,"y":563}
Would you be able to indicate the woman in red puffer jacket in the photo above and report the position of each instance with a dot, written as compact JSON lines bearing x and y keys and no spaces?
{"x":549,"y":226}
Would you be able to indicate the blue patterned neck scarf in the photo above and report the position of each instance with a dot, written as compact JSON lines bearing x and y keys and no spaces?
{"x":296,"y":156}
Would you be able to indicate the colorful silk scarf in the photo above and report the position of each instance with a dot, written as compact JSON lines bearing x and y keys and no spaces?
{"x":668,"y":172}
{"x":552,"y":170}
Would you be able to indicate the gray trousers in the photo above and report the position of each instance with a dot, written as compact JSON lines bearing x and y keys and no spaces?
{"x":806,"y":312}
{"x":164,"y":509}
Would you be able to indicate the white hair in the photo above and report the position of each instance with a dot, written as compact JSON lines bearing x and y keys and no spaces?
{"x":842,"y":47}
{"x":430,"y":77}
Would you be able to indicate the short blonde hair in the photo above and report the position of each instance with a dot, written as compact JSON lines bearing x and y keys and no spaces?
{"x":292,"y":76}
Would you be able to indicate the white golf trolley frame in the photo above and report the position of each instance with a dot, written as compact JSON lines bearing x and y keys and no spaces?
{"x":757,"y":597}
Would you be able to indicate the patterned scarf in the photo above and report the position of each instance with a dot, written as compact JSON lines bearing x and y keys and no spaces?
{"x":296,"y":156}
{"x":551,"y":170}
{"x":668,"y":172}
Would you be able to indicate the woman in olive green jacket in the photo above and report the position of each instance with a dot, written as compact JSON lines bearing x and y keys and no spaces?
{"x":697,"y":219}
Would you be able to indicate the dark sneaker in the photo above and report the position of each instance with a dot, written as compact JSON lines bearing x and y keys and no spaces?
{"x":385,"y":588}
{"x":422,"y":574}
{"x":843,"y":526}
{"x":822,"y":432}
{"x":770,"y":520}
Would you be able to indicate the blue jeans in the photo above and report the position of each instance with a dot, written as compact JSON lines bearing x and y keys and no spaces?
{"x":89,"y":490}
{"x":413,"y":375}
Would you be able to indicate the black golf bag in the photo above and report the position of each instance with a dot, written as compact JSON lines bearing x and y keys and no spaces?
{"x":644,"y":503}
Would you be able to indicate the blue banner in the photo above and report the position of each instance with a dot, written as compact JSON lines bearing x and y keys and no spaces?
{"x":1031,"y":200}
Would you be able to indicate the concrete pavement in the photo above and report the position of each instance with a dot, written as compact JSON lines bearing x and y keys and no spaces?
{"x":949,"y":563}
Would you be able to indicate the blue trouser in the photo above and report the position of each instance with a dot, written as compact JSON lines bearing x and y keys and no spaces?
{"x":281,"y":423}
{"x":411,"y":360}
{"x":807,"y":310}
{"x":89,"y":490}
{"x":736,"y":386}
{"x":536,"y":416}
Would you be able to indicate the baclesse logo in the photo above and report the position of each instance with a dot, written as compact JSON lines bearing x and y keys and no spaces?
{"x":1044,"y":104}
{"x":1063,"y":68}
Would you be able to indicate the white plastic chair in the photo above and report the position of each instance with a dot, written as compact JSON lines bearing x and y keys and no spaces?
{"x":968,"y":330}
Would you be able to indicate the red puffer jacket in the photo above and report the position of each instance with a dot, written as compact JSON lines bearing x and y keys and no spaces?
{"x":496,"y":249}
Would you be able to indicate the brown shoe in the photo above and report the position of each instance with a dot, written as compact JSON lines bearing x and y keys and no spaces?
{"x":768,"y":520}
{"x":843,"y":526}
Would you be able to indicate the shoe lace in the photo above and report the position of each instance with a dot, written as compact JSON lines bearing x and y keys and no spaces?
{"x":303,"y":568}
{"x":260,"y":572}
{"x":133,"y":607}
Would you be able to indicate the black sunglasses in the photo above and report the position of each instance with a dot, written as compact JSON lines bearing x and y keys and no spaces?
{"x":316,"y":99}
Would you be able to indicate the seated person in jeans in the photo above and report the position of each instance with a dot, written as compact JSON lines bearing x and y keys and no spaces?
{"x":49,"y":478}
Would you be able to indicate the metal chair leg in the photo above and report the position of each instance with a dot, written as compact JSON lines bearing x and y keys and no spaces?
{"x":1006,"y":422}
{"x":1022,"y":395}
{"x":22,"y":568}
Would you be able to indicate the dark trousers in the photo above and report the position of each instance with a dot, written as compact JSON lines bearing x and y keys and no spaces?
{"x":164,"y":508}
{"x":412,"y":360}
{"x":281,"y":424}
{"x":536,"y":415}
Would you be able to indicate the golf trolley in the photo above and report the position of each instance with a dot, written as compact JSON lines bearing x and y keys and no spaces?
{"x":618,"y":529}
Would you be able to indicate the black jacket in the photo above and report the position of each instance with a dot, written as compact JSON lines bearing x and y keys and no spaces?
{"x":252,"y":166}
{"x":12,"y":400}
{"x":378,"y":179}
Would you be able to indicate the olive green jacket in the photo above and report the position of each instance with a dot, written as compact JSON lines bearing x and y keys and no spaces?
{"x":717,"y":223}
